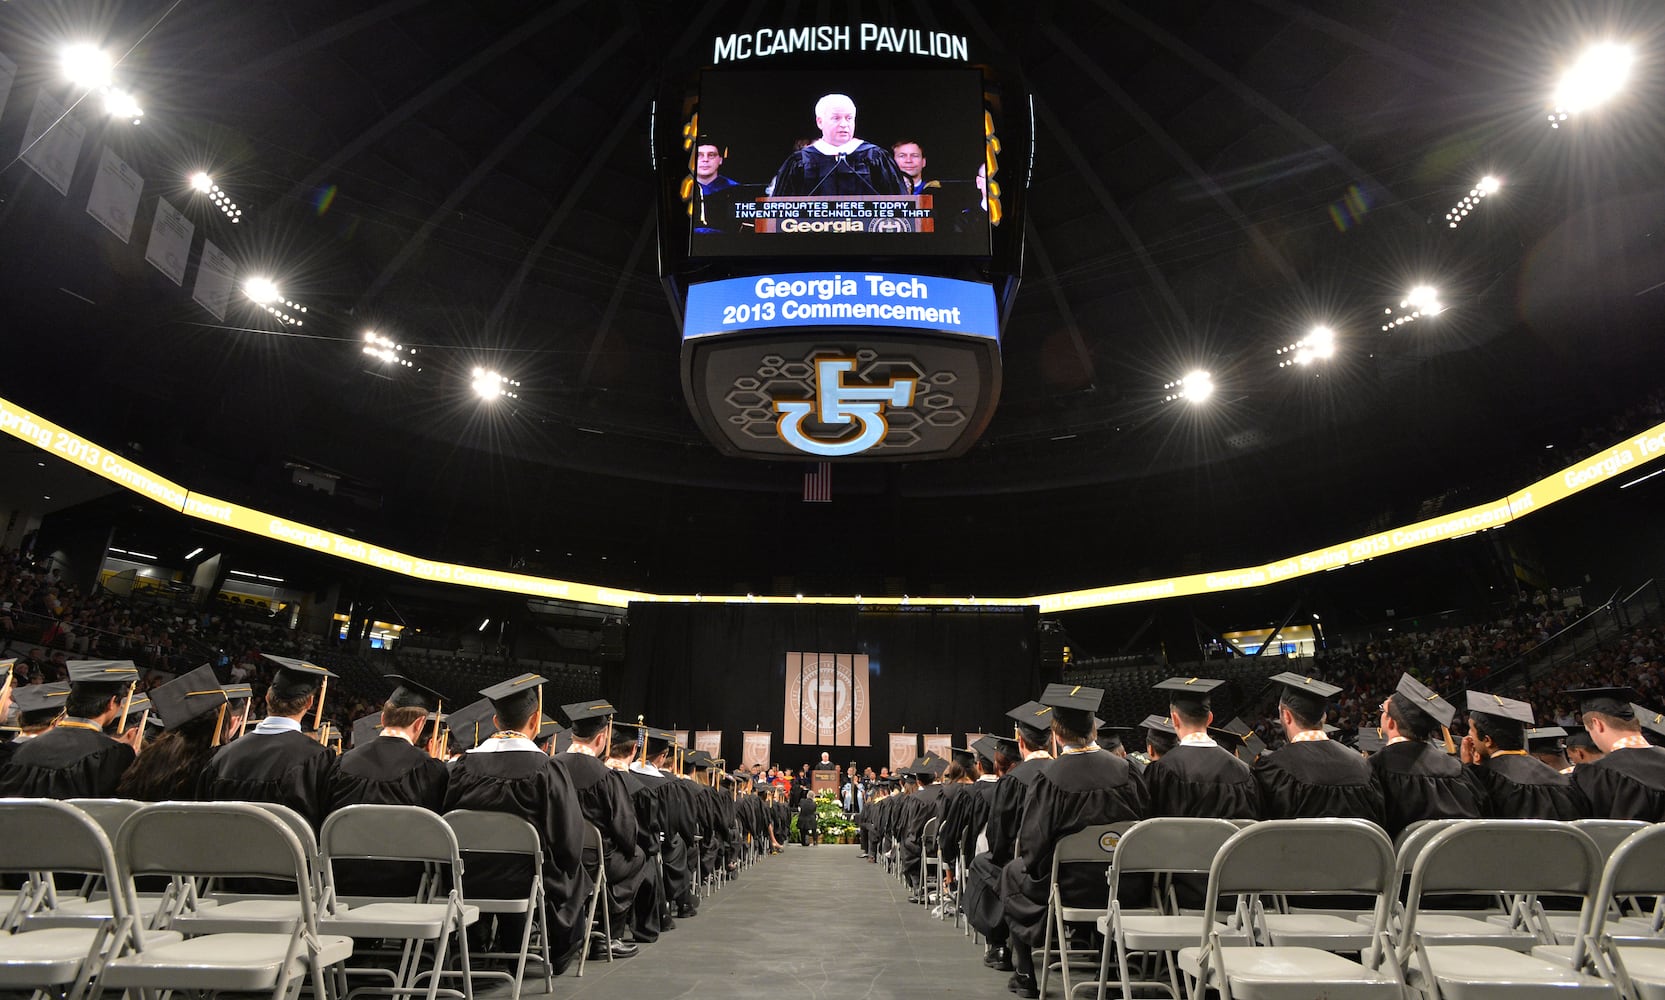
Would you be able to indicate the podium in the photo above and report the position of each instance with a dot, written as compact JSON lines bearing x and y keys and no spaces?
{"x":823,"y":781}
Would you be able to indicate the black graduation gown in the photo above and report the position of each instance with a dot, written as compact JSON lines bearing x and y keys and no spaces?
{"x":647,"y":907}
{"x":806,"y":818}
{"x":982,"y":880}
{"x":1075,"y":791}
{"x":921,"y":809}
{"x":677,"y":796}
{"x":386,"y":771}
{"x":1201,"y":781}
{"x":1625,"y":784}
{"x":605,"y":803}
{"x":526,"y":783}
{"x":288,"y":768}
{"x":66,"y":762}
{"x":952,"y":809}
{"x":1421,"y":781}
{"x":1315,"y":779}
{"x":1522,"y":787}
{"x":867,"y":170}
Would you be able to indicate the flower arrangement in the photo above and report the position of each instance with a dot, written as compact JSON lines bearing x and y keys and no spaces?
{"x":830,"y":821}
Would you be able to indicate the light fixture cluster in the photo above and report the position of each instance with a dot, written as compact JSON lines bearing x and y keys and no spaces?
{"x":1419,"y":303}
{"x":1595,"y":78}
{"x":92,"y":70}
{"x":1317,"y":345}
{"x":1194,"y":387}
{"x":491,"y":385}
{"x":202,"y":182}
{"x":264,"y":293}
{"x":379,"y":347}
{"x":1471,"y":202}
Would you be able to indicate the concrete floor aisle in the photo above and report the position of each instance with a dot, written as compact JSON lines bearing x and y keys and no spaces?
{"x":816,"y":923}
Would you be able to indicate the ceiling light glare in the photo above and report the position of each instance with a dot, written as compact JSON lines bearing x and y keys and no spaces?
{"x":87,"y":66}
{"x":490,"y":385}
{"x":1194,"y":386}
{"x":202,"y":182}
{"x":382,"y":349}
{"x":121,"y":104}
{"x":261,"y":291}
{"x":1489,"y":185}
{"x":1317,"y":345}
{"x":1598,"y":75}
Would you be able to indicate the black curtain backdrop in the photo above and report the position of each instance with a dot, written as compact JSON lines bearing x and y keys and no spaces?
{"x":698,"y":666}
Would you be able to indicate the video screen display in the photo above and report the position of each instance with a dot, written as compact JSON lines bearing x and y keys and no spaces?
{"x":826,"y":163}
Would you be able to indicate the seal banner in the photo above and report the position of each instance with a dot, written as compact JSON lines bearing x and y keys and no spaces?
{"x":827,"y":700}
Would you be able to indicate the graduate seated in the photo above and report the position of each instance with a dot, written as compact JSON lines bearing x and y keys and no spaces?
{"x":75,"y":759}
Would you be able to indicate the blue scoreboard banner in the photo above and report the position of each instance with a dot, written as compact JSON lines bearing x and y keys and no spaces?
{"x":843,"y":300}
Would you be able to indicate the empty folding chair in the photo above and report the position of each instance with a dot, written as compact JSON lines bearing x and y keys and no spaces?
{"x":402,"y":833}
{"x":1158,"y":847}
{"x":1295,"y":857}
{"x":930,"y":863}
{"x":1529,"y":857}
{"x":1635,"y":964}
{"x":213,"y":840}
{"x":45,"y":836}
{"x":501,"y":834}
{"x":1094,"y":845}
{"x":1452,"y":927}
{"x":267,"y":907}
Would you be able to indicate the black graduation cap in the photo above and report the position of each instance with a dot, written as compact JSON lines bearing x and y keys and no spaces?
{"x":699,"y":759}
{"x":1578,"y":738}
{"x":1229,"y":741}
{"x":40,"y":698}
{"x":413,"y":694}
{"x":1253,"y":744}
{"x":516,"y":699}
{"x":1307,"y":695}
{"x":1614,"y":701}
{"x":1111,"y":737}
{"x":472,"y":724}
{"x":1653,"y":722}
{"x":964,"y":756}
{"x":1545,"y":740}
{"x":103,"y":672}
{"x":298,"y":678}
{"x":1072,"y":697}
{"x":1032,"y":714}
{"x":549,"y":729}
{"x":367,"y":729}
{"x":1371,"y":740}
{"x":1420,"y":696}
{"x":1160,"y":723}
{"x":191,"y":695}
{"x":1481,"y":703}
{"x":988,"y":746}
{"x":930,"y":764}
{"x":1190,"y":693}
{"x":588,"y":717}
{"x":238,"y":692}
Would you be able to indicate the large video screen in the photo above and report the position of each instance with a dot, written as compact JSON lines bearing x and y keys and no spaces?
{"x":826,"y":163}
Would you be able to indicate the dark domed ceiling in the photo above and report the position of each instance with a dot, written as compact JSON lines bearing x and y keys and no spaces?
{"x":1210,"y":180}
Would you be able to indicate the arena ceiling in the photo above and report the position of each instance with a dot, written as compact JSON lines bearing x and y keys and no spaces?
{"x":1211,"y":179}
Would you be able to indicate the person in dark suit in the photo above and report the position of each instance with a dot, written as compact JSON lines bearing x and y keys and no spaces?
{"x":806,"y":821}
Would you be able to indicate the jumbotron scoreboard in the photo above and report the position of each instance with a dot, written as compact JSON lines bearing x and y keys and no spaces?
{"x":841,"y":235}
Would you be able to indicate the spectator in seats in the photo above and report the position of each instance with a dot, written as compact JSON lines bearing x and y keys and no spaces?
{"x":507,"y":773}
{"x":605,"y":803}
{"x":1628,"y":782}
{"x":192,"y":709}
{"x":277,"y":761}
{"x":1418,"y":778}
{"x":1518,"y":784}
{"x":75,"y":759}
{"x":1313,"y":775}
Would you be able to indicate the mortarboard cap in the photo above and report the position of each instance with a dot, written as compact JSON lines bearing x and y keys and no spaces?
{"x":588,"y":717}
{"x":1481,"y":703}
{"x":1032,"y":714}
{"x":929,"y":765}
{"x":472,"y":724}
{"x":1160,"y":723}
{"x":1229,"y":741}
{"x":1072,"y":697}
{"x":1578,"y":738}
{"x":1253,"y":745}
{"x":1191,"y":693}
{"x":1370,"y":740}
{"x":1614,"y":701}
{"x":297,"y":678}
{"x":1111,"y":737}
{"x":1653,"y":722}
{"x":1420,"y":696}
{"x":102,"y":672}
{"x":988,"y":746}
{"x":963,"y":756}
{"x":1545,"y":740}
{"x":548,"y":728}
{"x":236,"y":692}
{"x":517,"y":699}
{"x":408,"y":693}
{"x":191,"y":695}
{"x":367,"y":729}
{"x":40,"y":698}
{"x":1307,"y":695}
{"x":699,"y":759}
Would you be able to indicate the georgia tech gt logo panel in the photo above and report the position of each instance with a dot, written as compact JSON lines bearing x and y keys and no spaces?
{"x":837,"y":404}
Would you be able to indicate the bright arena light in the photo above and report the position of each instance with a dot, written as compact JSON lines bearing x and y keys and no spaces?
{"x":379,"y":347}
{"x":1194,"y":387}
{"x":1420,"y":302}
{"x":1317,"y":345}
{"x":121,"y":104}
{"x":261,"y":291}
{"x":1487,"y":185}
{"x":202,"y":182}
{"x":87,"y":66}
{"x":1599,"y":74}
{"x":490,"y":385}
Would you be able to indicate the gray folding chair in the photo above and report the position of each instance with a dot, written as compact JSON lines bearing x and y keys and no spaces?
{"x":592,"y":842}
{"x":930,"y":863}
{"x":1635,"y":963}
{"x":1159,"y":847}
{"x":1094,"y":845}
{"x":235,"y":912}
{"x":1454,"y":927}
{"x":44,"y":836}
{"x":480,"y":832}
{"x":1294,"y":857}
{"x":1529,"y":857}
{"x":402,"y":833}
{"x":214,"y":840}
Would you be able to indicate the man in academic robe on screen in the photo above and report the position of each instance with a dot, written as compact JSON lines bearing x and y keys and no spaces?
{"x":838,"y":163}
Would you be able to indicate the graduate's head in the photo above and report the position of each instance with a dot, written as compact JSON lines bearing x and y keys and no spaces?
{"x":1609,"y":715}
{"x":708,"y":159}
{"x":910,"y":159}
{"x":835,"y":116}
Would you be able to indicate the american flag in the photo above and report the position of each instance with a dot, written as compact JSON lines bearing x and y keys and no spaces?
{"x":818,"y":483}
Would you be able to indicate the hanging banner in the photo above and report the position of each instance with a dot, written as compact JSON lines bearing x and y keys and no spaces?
{"x":170,"y":241}
{"x":52,"y":141}
{"x":8,"y":73}
{"x":681,"y":738}
{"x":939,"y":744}
{"x":826,"y":700}
{"x":754,"y":751}
{"x":904,"y":747}
{"x":215,"y":277}
{"x":972,"y":738}
{"x":114,"y":201}
{"x":709,"y":740}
